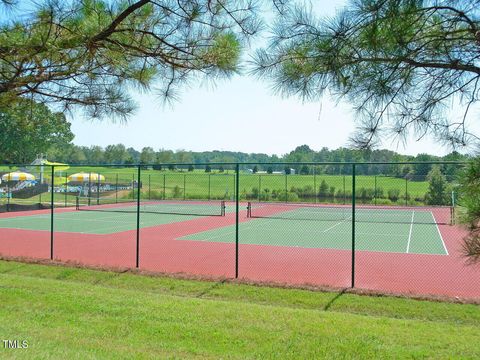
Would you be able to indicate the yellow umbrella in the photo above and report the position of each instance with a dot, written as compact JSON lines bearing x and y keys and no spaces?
{"x":86,"y":177}
{"x":58,"y":166}
{"x":18,"y":176}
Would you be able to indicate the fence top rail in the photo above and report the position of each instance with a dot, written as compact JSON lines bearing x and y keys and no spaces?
{"x":248,"y":163}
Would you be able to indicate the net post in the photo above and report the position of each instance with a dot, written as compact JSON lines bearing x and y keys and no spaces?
{"x":52,"y":211}
{"x":237,"y":209}
{"x":137,"y":252}
{"x":353,"y":223}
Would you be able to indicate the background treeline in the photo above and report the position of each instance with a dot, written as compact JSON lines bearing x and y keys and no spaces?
{"x":120,"y":155}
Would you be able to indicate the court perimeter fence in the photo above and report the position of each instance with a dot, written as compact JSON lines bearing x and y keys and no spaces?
{"x":391,"y":227}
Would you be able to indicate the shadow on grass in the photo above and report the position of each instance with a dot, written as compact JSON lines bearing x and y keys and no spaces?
{"x":215,"y":285}
{"x":334,"y":299}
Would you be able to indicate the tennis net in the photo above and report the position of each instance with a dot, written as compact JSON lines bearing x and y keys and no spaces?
{"x":172,"y":207}
{"x":363,"y":213}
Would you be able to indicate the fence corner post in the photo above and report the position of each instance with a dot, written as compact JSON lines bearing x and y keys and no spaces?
{"x":137,"y":252}
{"x":52,"y":202}
{"x":353,"y":223}
{"x":237,"y":207}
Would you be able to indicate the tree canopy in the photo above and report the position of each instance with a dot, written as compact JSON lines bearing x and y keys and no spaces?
{"x":90,"y":52}
{"x":28,"y":128}
{"x":402,"y":63}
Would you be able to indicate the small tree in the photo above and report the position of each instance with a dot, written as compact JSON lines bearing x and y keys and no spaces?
{"x":269,"y":170}
{"x":437,"y":187}
{"x":287,"y":170}
{"x":190,"y":168}
{"x":208,"y":169}
{"x":171,"y":167}
{"x":323,"y":189}
{"x":221,"y":169}
{"x":470,"y":201}
{"x":255,"y":169}
{"x":304,"y":170}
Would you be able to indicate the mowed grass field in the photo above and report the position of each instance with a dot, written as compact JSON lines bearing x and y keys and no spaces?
{"x":201,"y":185}
{"x":80,"y":314}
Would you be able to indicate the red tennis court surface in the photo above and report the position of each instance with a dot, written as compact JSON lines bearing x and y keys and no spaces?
{"x":163,"y":250}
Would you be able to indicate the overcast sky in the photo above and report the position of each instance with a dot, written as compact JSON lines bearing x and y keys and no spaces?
{"x":241,"y":114}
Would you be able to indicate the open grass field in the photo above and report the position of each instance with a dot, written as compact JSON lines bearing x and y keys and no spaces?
{"x":79,"y":314}
{"x":215,"y":185}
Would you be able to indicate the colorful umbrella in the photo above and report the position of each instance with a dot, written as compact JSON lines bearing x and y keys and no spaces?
{"x":18,"y":176}
{"x":86,"y":177}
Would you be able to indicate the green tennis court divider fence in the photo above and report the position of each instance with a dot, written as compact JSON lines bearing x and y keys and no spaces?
{"x":358,"y":188}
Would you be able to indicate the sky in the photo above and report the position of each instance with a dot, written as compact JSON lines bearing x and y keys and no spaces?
{"x":239,"y":114}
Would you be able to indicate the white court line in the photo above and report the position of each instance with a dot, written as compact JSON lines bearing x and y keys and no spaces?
{"x":233,"y":231}
{"x":439,"y":233}
{"x":331,"y":227}
{"x":410,"y":233}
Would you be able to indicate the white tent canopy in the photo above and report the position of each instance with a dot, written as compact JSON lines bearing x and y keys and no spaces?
{"x":86,"y":177}
{"x":18,"y":176}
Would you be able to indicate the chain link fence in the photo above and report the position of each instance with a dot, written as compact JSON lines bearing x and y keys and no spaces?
{"x":387,"y":227}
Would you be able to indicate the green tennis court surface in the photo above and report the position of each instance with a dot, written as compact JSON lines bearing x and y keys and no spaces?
{"x":112,"y":218}
{"x":399,"y":231}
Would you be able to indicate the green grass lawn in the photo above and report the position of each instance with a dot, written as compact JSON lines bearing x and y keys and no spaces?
{"x":201,"y":185}
{"x":80,"y":314}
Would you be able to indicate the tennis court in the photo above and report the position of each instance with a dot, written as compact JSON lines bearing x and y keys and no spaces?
{"x":398,"y":249}
{"x":108,"y":216}
{"x":330,"y":227}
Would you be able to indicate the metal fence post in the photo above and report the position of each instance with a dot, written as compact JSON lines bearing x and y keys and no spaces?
{"x":406,"y":191}
{"x":66,"y":187}
{"x":315,"y":183}
{"x":137,"y":263}
{"x":164,"y":189}
{"x":52,"y":202}
{"x":234,"y":186}
{"x":98,"y":189}
{"x":133,"y":186}
{"x":116,"y":188}
{"x":286,"y":188}
{"x":237,"y":207}
{"x":8,"y":195}
{"x":184,"y":186}
{"x":209,"y":184}
{"x":259,"y":187}
{"x":89,"y":187}
{"x":344,"y":192}
{"x":353,"y":223}
{"x":375,"y":189}
{"x":149,"y":186}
